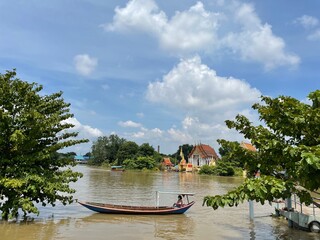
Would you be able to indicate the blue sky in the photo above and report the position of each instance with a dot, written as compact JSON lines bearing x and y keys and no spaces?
{"x":162,"y":72}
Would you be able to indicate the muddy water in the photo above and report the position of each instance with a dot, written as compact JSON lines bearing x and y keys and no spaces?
{"x":76,"y":222}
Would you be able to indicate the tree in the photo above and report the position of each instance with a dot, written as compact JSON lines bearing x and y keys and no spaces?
{"x":229,"y":153}
{"x":127,"y":150}
{"x":146,"y":150}
{"x":105,"y":149}
{"x":288,"y":153}
{"x":33,"y":128}
{"x":186,"y":149}
{"x":145,"y":162}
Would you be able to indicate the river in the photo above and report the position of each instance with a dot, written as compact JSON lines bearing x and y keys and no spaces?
{"x":74,"y":222}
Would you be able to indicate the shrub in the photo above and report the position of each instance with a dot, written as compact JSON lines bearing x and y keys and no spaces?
{"x":225,"y":169}
{"x":206,"y":169}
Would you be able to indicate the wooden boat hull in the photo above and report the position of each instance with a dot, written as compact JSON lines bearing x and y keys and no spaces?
{"x":137,"y":210}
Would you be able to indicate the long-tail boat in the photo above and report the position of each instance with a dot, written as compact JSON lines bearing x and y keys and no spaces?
{"x":141,"y":210}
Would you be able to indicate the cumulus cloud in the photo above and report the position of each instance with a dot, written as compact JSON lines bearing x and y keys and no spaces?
{"x":256,"y":42}
{"x":152,"y":136}
{"x":238,"y":28}
{"x":312,"y":25}
{"x":191,"y":30}
{"x":307,"y":21}
{"x":186,"y":31}
{"x":85,"y":64}
{"x":129,"y":124}
{"x":195,"y":87}
{"x":141,"y":15}
{"x":315,"y":35}
{"x":204,"y":100}
{"x":85,"y":132}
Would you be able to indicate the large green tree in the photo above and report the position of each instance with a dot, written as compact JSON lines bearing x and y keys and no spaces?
{"x":146,"y":150}
{"x":33,"y":128}
{"x":288,"y":153}
{"x":127,"y":150}
{"x":105,"y":149}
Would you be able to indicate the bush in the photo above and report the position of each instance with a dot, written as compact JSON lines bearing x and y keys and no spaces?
{"x":206,"y":169}
{"x":145,"y":162}
{"x":129,"y":164}
{"x":225,"y":169}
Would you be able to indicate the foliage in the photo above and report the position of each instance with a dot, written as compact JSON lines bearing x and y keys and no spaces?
{"x":261,"y":189}
{"x":105,"y":149}
{"x":146,"y":150}
{"x":221,"y":169}
{"x":206,"y":169}
{"x":157,"y":157}
{"x":224,"y":169}
{"x":127,"y":150}
{"x":145,"y":162}
{"x":229,"y":152}
{"x":33,"y":128}
{"x":130,"y":164}
{"x":288,"y":153}
{"x":186,"y":149}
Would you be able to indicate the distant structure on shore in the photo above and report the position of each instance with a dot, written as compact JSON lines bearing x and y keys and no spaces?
{"x":81,"y":159}
{"x":202,"y":154}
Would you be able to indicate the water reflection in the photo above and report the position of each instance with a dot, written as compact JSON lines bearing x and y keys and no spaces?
{"x":76,"y":222}
{"x":167,"y":227}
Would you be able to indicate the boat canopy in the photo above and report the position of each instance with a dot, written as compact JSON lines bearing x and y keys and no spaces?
{"x":116,"y":166}
{"x":172,"y":193}
{"x":177,"y":193}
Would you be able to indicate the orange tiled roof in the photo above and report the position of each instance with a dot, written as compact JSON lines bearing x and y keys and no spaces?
{"x":204,"y":151}
{"x":248,"y":146}
{"x":167,"y":162}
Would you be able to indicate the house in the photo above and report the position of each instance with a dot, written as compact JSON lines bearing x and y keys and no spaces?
{"x":202,"y":154}
{"x":81,"y":159}
{"x":167,"y":163}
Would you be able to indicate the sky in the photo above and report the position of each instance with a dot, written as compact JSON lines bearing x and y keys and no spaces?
{"x":165,"y":73}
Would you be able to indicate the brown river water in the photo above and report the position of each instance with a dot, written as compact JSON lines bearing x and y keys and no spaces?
{"x":139,"y":188}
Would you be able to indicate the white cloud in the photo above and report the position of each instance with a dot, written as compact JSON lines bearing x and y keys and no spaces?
{"x":256,"y":42}
{"x":198,"y":30}
{"x":195,"y":87}
{"x":191,"y":30}
{"x":143,"y":135}
{"x":315,"y":35}
{"x":204,"y":101}
{"x":141,"y":15}
{"x":179,"y":136}
{"x":129,"y":124}
{"x":85,"y":64}
{"x":186,"y":31}
{"x":307,"y":21}
{"x":310,"y":23}
{"x":85,"y":132}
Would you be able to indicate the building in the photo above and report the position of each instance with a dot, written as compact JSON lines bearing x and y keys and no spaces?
{"x":81,"y":159}
{"x":167,"y":163}
{"x":202,"y":154}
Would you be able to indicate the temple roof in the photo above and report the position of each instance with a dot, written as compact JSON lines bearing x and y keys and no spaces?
{"x":167,"y":162}
{"x":205,"y":151}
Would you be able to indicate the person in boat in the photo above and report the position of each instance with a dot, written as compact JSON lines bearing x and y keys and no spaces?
{"x":179,"y":203}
